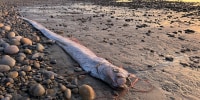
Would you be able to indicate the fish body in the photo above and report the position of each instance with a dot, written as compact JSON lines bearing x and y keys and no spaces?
{"x":97,"y":67}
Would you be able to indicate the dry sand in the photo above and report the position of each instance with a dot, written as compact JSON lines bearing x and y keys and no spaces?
{"x":159,"y":45}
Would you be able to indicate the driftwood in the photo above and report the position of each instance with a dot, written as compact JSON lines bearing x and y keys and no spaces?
{"x":97,"y":67}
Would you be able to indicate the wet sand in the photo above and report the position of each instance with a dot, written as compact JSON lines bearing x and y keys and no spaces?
{"x":160,"y":45}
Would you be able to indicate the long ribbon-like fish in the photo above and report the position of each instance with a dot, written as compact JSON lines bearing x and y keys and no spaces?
{"x":97,"y":67}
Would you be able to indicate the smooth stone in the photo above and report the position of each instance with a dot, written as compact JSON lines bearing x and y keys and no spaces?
{"x":36,"y":38}
{"x":7,"y":28}
{"x":48,"y":81}
{"x":36,"y":65}
{"x":26,"y":41}
{"x":5,"y":44}
{"x":12,"y":49}
{"x":62,"y":87}
{"x":20,"y":59}
{"x":4,"y":68}
{"x":11,"y":35}
{"x":1,"y":25}
{"x":27,"y":51}
{"x":87,"y":92}
{"x":7,"y":60}
{"x":10,"y":80}
{"x":15,"y":42}
{"x":49,"y":74}
{"x":39,"y":47}
{"x":22,"y":54}
{"x":13,"y":74}
{"x":37,"y":90}
{"x":18,"y":38}
{"x":6,"y":98}
{"x":22,"y":73}
{"x":67,"y":94}
{"x":51,"y":92}
{"x":27,"y":68}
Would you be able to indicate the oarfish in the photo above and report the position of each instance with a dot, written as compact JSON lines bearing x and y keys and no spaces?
{"x":96,"y":66}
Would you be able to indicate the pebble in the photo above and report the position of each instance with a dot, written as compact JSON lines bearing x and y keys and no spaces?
{"x":20,"y":59}
{"x":39,"y":47}
{"x":27,"y":51}
{"x":22,"y":54}
{"x":15,"y":42}
{"x":12,"y":49}
{"x":37,"y":90}
{"x":49,"y":74}
{"x":18,"y":38}
{"x":5,"y":44}
{"x":67,"y":94}
{"x":13,"y":74}
{"x":7,"y":60}
{"x":4,"y":68}
{"x":22,"y":73}
{"x":27,"y":68}
{"x":51,"y":92}
{"x":1,"y":49}
{"x":86,"y":92}
{"x":7,"y":28}
{"x":26,"y":41}
{"x":62,"y":87}
{"x":11,"y":35}
{"x":48,"y":81}
{"x":36,"y":38}
{"x":1,"y":25}
{"x":36,"y":64}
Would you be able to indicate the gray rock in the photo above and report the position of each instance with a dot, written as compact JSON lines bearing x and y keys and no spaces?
{"x":5,"y":44}
{"x":12,"y":49}
{"x":15,"y":42}
{"x":1,"y":49}
{"x":4,"y":68}
{"x":7,"y":60}
{"x":37,"y":90}
{"x":49,"y":74}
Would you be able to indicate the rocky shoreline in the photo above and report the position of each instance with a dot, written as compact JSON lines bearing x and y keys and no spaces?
{"x":26,"y":69}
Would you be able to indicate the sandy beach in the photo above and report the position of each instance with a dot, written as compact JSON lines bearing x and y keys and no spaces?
{"x":160,"y":45}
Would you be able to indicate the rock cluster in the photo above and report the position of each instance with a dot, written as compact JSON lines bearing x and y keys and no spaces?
{"x":26,"y":69}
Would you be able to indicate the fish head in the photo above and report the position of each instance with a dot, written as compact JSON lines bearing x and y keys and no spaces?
{"x":119,"y":78}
